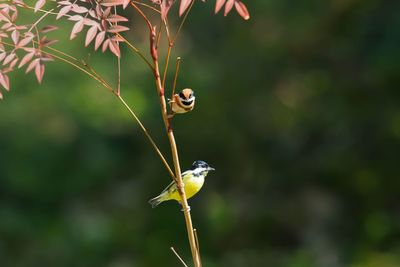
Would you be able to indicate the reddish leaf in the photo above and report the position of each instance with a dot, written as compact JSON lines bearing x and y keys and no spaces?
{"x":228,"y":6}
{"x":78,"y":27}
{"x":90,"y":22}
{"x":165,"y":6}
{"x":4,"y":16}
{"x":2,"y":55}
{"x":25,"y":41}
{"x":106,"y":12}
{"x":39,"y":72}
{"x":5,"y":82}
{"x":93,"y":14}
{"x":48,"y":28}
{"x":242,"y":10}
{"x":46,"y":58}
{"x":64,"y":3}
{"x":91,"y":33}
{"x":117,"y":28}
{"x":39,"y":4}
{"x":15,"y":36}
{"x":110,"y":3}
{"x":47,"y":42}
{"x":116,"y":18}
{"x":13,"y":63}
{"x":125,"y":3}
{"x":32,"y":65}
{"x":105,"y":45}
{"x":114,"y":47}
{"x":76,"y":18}
{"x":9,"y":58}
{"x":184,"y":5}
{"x":8,"y":69}
{"x":26,"y":59}
{"x":99,"y":39}
{"x":20,"y":27}
{"x":63,"y":11}
{"x":79,"y":9}
{"x":219,"y":5}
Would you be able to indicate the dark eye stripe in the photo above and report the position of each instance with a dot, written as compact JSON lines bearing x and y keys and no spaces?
{"x":181,"y":95}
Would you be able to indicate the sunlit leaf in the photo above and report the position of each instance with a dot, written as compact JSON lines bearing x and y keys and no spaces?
{"x":228,"y":6}
{"x":242,"y":10}
{"x":39,"y":72}
{"x":99,"y":39}
{"x":39,"y":4}
{"x":165,"y":6}
{"x":5,"y":82}
{"x":26,"y":59}
{"x":78,"y":27}
{"x":184,"y":6}
{"x":91,"y":34}
{"x":218,"y":5}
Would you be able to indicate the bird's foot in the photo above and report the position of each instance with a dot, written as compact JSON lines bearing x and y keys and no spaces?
{"x":188,"y":209}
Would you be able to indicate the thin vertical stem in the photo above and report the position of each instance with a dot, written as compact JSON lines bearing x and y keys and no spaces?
{"x":183,"y":22}
{"x":166,"y":64}
{"x":171,"y":137}
{"x":178,"y":62}
{"x":197,"y":243}
{"x":178,"y":176}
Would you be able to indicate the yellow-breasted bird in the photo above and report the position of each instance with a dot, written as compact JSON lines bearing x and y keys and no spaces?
{"x":193,"y":180}
{"x":182,"y":102}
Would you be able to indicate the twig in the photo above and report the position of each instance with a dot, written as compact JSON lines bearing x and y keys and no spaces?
{"x":179,"y":257}
{"x":136,"y":50}
{"x":178,"y":62}
{"x":142,"y":14}
{"x":175,"y":157}
{"x":148,"y":136}
{"x":148,"y":6}
{"x":183,"y":22}
{"x":197,"y":242}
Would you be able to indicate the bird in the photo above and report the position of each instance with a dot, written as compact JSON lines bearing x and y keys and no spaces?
{"x":193,"y":181}
{"x":182,"y":102}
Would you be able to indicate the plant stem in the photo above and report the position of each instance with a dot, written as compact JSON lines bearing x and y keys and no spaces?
{"x":147,"y":135}
{"x":175,"y":157}
{"x":169,"y":131}
{"x":179,"y":257}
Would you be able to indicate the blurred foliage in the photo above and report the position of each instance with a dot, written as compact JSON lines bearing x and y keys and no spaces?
{"x":297,"y":109}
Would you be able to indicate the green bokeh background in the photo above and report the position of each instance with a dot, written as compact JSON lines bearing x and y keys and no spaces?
{"x":297,"y":109}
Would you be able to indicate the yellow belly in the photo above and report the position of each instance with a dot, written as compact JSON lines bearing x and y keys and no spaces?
{"x":192,"y":186}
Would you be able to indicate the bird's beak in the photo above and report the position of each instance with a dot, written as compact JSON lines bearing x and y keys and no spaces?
{"x":211,"y":169}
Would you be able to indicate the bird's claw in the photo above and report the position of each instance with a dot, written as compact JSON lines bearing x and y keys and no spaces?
{"x":188,"y":209}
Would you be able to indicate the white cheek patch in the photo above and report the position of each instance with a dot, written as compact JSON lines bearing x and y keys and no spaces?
{"x":199,"y":172}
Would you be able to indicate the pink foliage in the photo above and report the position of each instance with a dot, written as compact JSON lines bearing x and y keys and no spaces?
{"x":25,"y":45}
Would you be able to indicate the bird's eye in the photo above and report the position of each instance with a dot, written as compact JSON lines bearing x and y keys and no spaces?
{"x":181,"y":95}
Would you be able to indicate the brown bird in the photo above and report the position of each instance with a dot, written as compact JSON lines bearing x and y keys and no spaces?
{"x":182,"y":102}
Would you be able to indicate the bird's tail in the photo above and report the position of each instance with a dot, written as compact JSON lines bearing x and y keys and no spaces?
{"x":154,"y":202}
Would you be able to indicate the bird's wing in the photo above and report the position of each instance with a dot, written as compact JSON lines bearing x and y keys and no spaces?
{"x":172,"y":185}
{"x":168,"y":188}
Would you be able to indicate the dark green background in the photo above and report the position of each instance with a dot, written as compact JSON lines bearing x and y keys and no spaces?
{"x":297,"y":109}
